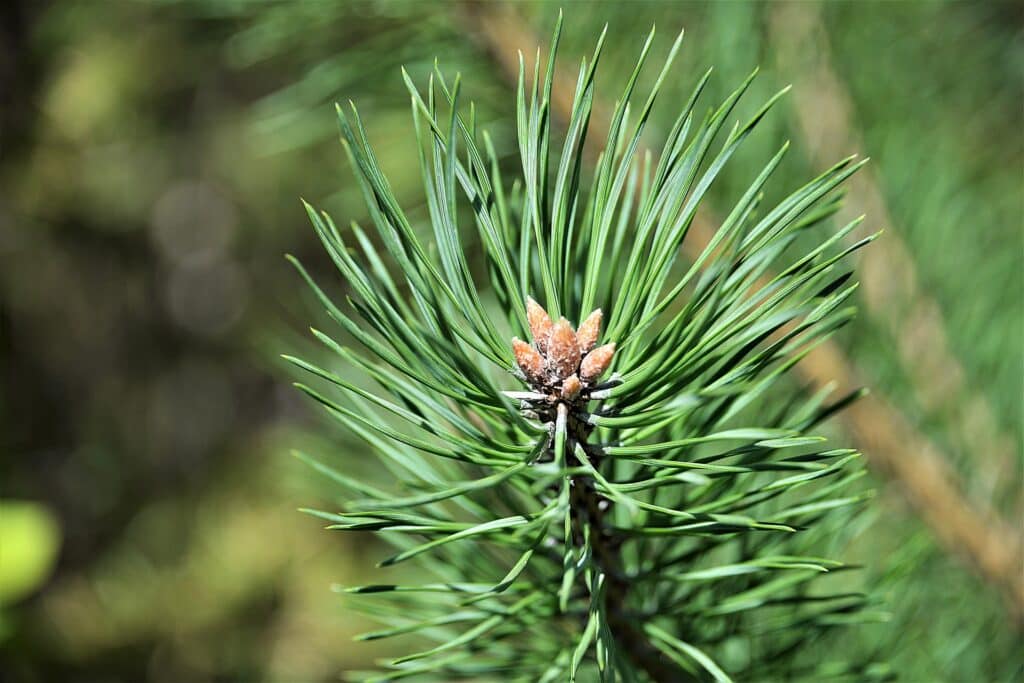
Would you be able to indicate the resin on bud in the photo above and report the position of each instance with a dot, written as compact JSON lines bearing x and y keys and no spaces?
{"x":563,"y":351}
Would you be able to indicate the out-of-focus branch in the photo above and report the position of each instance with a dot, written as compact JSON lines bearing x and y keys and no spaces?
{"x":890,"y":442}
{"x":890,"y":288}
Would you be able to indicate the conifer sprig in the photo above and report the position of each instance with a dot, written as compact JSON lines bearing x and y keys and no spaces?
{"x":662,"y":521}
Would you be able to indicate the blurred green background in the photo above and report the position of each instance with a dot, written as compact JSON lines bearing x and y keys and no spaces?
{"x":152,"y":156}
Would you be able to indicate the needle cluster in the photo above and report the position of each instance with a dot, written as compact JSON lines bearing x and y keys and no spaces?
{"x":666,"y":523}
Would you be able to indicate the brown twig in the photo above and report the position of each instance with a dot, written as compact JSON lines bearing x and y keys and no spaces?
{"x":891,"y":444}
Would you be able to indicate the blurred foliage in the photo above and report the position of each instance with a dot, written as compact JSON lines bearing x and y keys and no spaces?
{"x":151,"y":160}
{"x":29,"y":538}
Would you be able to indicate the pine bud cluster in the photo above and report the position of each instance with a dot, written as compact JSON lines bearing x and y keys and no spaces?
{"x":562,"y":363}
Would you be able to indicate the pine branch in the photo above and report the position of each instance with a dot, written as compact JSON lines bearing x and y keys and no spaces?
{"x":615,"y":499}
{"x":893,"y":447}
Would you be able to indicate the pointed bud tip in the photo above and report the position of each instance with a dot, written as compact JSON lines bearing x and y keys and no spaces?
{"x":528,"y":360}
{"x":539,"y":322}
{"x":589,"y":331}
{"x":597,"y":362}
{"x":563,"y":329}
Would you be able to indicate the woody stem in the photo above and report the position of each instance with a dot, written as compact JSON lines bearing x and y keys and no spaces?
{"x":588,"y":509}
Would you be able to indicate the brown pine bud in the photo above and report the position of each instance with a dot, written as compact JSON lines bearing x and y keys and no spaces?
{"x":587,"y":334}
{"x":540,"y":324}
{"x":571,"y":387}
{"x":563,"y":352}
{"x":596,"y":362}
{"x":529,"y":361}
